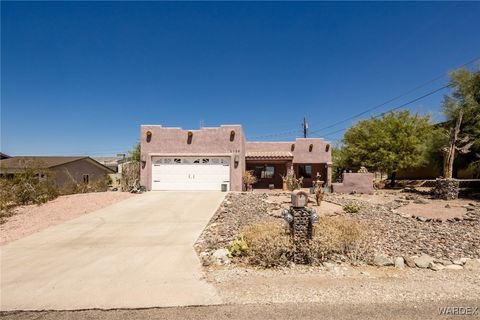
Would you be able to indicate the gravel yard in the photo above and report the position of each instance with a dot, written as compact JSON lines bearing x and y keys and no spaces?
{"x":432,"y":229}
{"x":396,"y":233}
{"x":33,"y":218}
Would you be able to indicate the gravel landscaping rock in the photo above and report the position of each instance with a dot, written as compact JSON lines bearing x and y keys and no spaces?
{"x":399,"y":263}
{"x":423,"y":261}
{"x":472,"y":265}
{"x":435,"y":267}
{"x":395,"y":235}
{"x":409,"y":262}
{"x":382,"y":260}
{"x":453,"y":267}
{"x":389,"y":232}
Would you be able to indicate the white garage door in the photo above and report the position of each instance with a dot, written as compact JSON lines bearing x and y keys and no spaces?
{"x":190,"y":173}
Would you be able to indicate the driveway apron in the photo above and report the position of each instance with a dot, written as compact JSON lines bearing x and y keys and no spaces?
{"x":134,"y":254}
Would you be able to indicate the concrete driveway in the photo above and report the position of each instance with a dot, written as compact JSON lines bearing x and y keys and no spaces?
{"x":136,"y":253}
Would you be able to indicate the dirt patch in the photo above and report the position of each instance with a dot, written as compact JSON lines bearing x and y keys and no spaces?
{"x":438,"y":210}
{"x":33,"y":218}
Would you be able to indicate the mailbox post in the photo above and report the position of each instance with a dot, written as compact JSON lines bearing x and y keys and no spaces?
{"x":301,"y":219}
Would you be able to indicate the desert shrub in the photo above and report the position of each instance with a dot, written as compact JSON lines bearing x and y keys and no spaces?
{"x":269,"y":244}
{"x":338,"y":236}
{"x":130,"y":176}
{"x":101,"y":184}
{"x":351,"y":208}
{"x":292,"y":182}
{"x":31,"y":185}
{"x":72,"y":186}
{"x":7,"y":199}
{"x":249,"y":179}
{"x":238,"y":248}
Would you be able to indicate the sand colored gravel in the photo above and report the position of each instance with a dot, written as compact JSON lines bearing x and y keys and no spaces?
{"x":33,"y":218}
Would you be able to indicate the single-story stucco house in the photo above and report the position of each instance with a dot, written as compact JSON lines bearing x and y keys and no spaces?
{"x":216,"y":159}
{"x":81,"y":169}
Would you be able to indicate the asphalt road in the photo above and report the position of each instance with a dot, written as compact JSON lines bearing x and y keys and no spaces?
{"x":410,"y":311}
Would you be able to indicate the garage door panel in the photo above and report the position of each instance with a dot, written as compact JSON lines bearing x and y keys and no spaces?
{"x":185,"y":175}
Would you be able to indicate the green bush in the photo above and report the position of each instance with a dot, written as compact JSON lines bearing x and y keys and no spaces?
{"x":238,"y":248}
{"x":351,"y":208}
{"x":269,"y":245}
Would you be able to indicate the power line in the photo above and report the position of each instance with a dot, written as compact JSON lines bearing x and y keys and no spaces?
{"x":392,"y":99}
{"x":298,"y":132}
{"x":396,"y":108}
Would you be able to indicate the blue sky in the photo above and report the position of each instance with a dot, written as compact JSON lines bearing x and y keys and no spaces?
{"x":79,"y":78}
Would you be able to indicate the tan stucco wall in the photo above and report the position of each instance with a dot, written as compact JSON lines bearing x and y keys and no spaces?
{"x":206,"y":141}
{"x":77,"y":169}
{"x":301,"y":152}
{"x":355,"y":182}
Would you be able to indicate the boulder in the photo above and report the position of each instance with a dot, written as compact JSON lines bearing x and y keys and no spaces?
{"x":458,"y":262}
{"x":423,"y":261}
{"x":443,"y":262}
{"x":435,"y":267}
{"x":422,"y":219}
{"x":206,"y":259}
{"x":421,"y":201}
{"x":453,"y":267}
{"x":399,"y":263}
{"x":220,"y":256}
{"x":472,"y":265}
{"x":382,"y":260}
{"x":410,"y":262}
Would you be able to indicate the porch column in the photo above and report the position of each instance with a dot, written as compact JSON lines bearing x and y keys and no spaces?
{"x":329,"y":174}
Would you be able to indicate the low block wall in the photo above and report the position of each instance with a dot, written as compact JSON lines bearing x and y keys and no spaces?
{"x":355,"y":182}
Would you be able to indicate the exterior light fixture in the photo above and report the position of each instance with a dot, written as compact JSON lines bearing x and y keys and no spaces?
{"x":236,"y":160}
{"x":232,"y":135}
{"x":148,"y":134}
{"x":310,"y":148}
{"x":292,"y":147}
{"x":327,"y":147}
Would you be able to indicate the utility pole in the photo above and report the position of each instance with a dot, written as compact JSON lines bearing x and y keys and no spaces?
{"x":305,"y":127}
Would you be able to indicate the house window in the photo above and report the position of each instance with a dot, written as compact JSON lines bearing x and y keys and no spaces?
{"x":86,"y":178}
{"x":265,"y":172}
{"x":305,"y":171}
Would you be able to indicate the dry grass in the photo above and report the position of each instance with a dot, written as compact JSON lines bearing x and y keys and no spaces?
{"x":269,"y":244}
{"x":335,"y":236}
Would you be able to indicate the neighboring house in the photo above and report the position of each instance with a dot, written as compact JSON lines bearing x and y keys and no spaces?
{"x":216,"y":158}
{"x":116,"y":164}
{"x":4,"y":156}
{"x":110,"y":162}
{"x":80,"y":169}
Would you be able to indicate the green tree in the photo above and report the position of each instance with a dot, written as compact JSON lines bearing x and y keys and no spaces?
{"x":388,"y":143}
{"x":462,"y":110}
{"x":135,"y":153}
